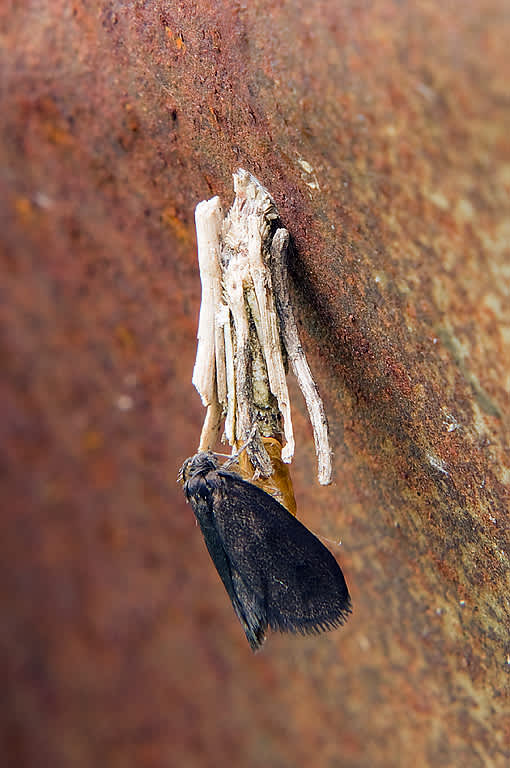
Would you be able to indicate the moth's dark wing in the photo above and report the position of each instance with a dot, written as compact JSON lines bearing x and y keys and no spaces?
{"x":247,"y":606}
{"x":288,"y":572}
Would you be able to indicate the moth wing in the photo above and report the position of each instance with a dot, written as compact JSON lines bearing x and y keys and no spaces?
{"x":245,"y":601}
{"x":292,"y":580}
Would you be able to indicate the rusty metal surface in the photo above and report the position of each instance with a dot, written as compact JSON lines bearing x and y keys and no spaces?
{"x":381,"y":130}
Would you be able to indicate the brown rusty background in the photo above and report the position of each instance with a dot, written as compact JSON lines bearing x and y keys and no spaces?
{"x":382,"y":131}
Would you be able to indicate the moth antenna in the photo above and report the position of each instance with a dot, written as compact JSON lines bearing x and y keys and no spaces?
{"x":235,"y":456}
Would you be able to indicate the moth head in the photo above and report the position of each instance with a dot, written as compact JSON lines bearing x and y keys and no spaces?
{"x":199,"y":464}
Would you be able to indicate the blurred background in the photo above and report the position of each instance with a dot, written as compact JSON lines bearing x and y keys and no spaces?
{"x":381,"y":130}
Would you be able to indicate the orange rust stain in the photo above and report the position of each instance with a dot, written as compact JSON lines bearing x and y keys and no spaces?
{"x":176,"y":39}
{"x":179,"y":229}
{"x":214,"y":115}
{"x":56,"y":134}
{"x":23,"y":206}
{"x":92,"y":440}
{"x":126,"y":340}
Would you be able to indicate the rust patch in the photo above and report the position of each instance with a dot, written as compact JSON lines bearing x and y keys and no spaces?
{"x":389,"y":161}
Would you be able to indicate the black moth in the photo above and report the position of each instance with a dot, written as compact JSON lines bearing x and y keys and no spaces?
{"x":275,"y":571}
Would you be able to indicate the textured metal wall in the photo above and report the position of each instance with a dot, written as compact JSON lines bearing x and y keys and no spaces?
{"x":382,"y":131}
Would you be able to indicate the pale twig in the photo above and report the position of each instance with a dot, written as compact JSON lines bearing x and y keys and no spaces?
{"x":208,"y":220}
{"x":289,"y":331}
